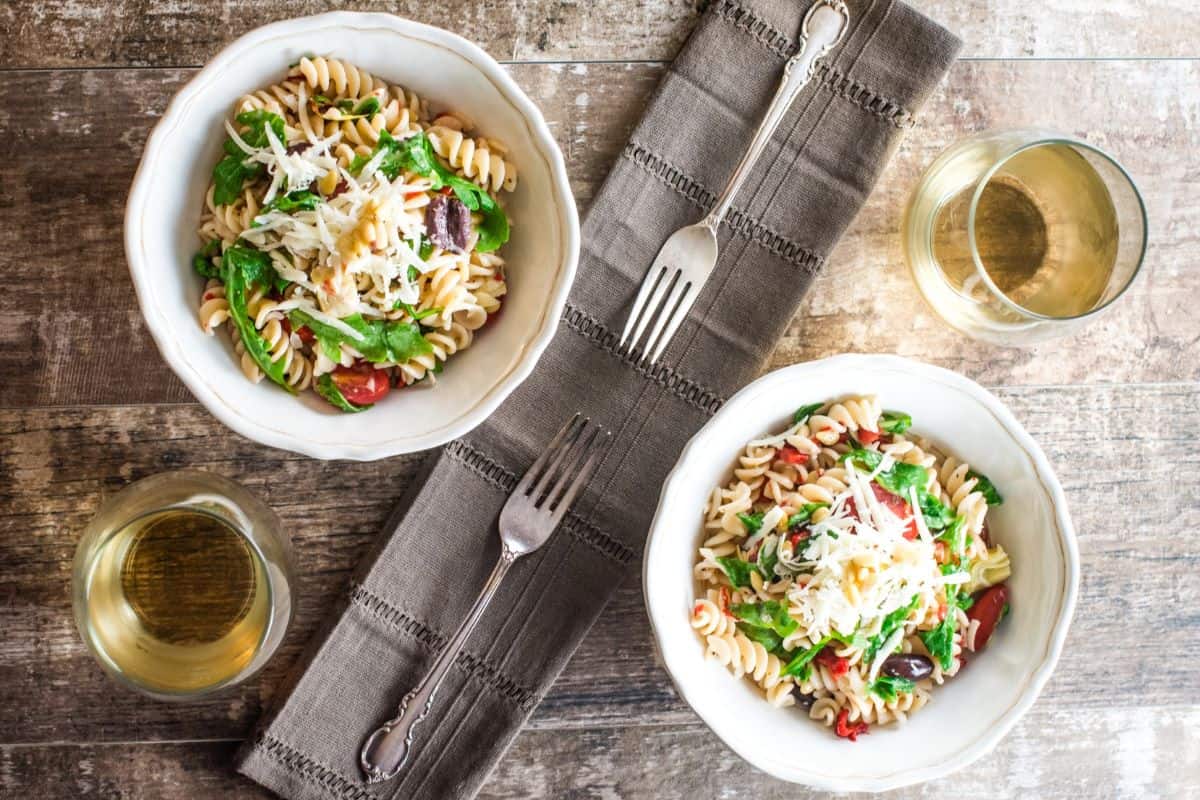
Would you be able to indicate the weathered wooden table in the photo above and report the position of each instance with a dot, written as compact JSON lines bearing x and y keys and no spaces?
{"x":87,"y":405}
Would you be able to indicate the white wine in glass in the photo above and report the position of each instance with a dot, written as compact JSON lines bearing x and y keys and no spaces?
{"x":1017,"y":236}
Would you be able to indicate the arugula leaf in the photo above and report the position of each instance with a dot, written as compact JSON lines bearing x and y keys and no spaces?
{"x":865,"y":459}
{"x":753,"y":522}
{"x":901,"y":477}
{"x":369,"y":107}
{"x":888,"y":686}
{"x":737,"y":570}
{"x":986,"y":487}
{"x":798,"y":667}
{"x":381,"y":342}
{"x":955,"y":535}
{"x":768,"y":557}
{"x":764,"y":636}
{"x":255,"y":265}
{"x":804,"y":514}
{"x":329,"y":390}
{"x":202,"y":261}
{"x":237,"y":284}
{"x":937,"y":514}
{"x":804,"y":412}
{"x":416,"y":154}
{"x":890,"y":623}
{"x":228,"y":176}
{"x":424,"y":253}
{"x":895,"y":422}
{"x":940,"y":641}
{"x":256,"y":122}
{"x":770,"y":614}
{"x":290,"y":203}
{"x":232,"y":171}
{"x":417,"y":315}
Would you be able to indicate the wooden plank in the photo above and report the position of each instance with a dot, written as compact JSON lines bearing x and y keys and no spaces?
{"x":1124,"y":453}
{"x":71,"y":333}
{"x":1053,"y":753}
{"x":76,"y":33}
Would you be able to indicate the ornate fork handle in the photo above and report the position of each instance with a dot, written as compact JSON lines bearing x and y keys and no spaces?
{"x":822,"y":29}
{"x":386,"y":750}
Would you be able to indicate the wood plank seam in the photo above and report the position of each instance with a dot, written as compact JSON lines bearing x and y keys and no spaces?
{"x":475,"y":666}
{"x":504,"y":480}
{"x":686,"y":389}
{"x":737,"y":220}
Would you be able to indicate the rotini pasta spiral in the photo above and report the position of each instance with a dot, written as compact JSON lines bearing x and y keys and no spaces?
{"x":835,"y":572}
{"x":475,"y":157}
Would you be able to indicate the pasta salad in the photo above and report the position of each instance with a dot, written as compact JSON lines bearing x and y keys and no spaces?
{"x":349,"y":236}
{"x":848,"y":568}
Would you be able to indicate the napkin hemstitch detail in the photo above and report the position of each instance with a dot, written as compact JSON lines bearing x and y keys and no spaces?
{"x":737,"y":220}
{"x":827,"y":77}
{"x":504,"y":481}
{"x":686,"y":389}
{"x":311,"y":770}
{"x":474,"y":666}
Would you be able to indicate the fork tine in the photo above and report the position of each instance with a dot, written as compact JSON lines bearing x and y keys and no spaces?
{"x":670,"y":306}
{"x":571,"y":466}
{"x":581,"y":478}
{"x":639,"y":304}
{"x":653,"y":309}
{"x":535,"y":469}
{"x":578,"y":424}
{"x":685,"y":304}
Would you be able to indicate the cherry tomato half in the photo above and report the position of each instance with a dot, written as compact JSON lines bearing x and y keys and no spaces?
{"x":988,"y":609}
{"x":361,"y":385}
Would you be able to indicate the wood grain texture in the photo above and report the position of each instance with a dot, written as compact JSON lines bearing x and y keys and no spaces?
{"x":79,"y":33}
{"x":1050,"y":753}
{"x":67,"y":283}
{"x":1126,"y":482}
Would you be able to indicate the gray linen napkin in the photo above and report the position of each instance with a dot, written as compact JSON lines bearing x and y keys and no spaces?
{"x":418,"y":584}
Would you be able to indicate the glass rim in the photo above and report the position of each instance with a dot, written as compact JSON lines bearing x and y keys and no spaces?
{"x":1042,"y":140}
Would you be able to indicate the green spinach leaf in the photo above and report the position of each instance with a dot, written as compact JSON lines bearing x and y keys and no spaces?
{"x":236,"y":287}
{"x":890,"y":623}
{"x":770,"y":614}
{"x":202,"y":262}
{"x":737,"y":570}
{"x":888,"y":687}
{"x":255,"y":265}
{"x":804,"y":514}
{"x":895,"y":422}
{"x":232,"y":171}
{"x":290,"y":203}
{"x":986,"y":487}
{"x":804,"y":412}
{"x":798,"y":667}
{"x":753,"y":522}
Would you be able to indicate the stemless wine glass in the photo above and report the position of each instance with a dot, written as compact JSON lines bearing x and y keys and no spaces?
{"x":182,"y":585}
{"x":1015,"y":236}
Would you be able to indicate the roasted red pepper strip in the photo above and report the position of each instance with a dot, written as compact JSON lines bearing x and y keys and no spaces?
{"x":837,"y":665}
{"x":790,"y":455}
{"x":867,"y":437}
{"x":849,"y":730}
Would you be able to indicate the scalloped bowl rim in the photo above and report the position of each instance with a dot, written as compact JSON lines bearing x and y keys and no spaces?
{"x":490,"y":400}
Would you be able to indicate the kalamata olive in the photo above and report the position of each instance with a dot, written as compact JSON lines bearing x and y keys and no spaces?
{"x":803,"y":700}
{"x":448,"y":223}
{"x":907,"y":665}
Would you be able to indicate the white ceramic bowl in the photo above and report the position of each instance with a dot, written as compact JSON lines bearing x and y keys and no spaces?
{"x":168,"y":195}
{"x":971,"y":712}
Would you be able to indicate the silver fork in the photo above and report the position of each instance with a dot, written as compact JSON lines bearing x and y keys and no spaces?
{"x":689,"y":255}
{"x":530,"y":515}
